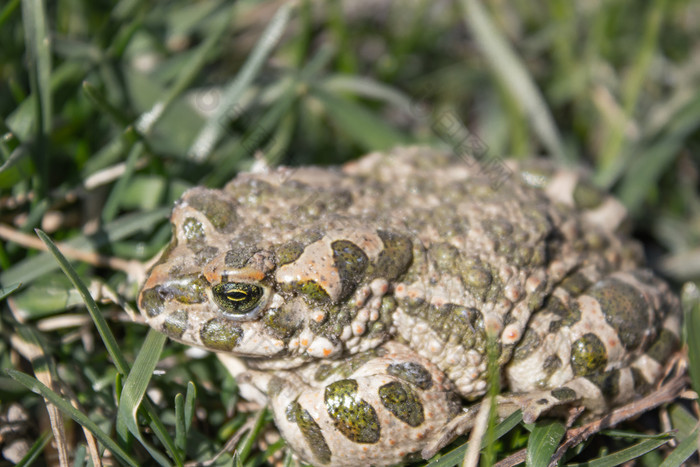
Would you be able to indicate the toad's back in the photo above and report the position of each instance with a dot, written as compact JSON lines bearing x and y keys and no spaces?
{"x":319,"y":270}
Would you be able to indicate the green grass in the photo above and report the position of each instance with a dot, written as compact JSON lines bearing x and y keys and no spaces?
{"x":110,"y":113}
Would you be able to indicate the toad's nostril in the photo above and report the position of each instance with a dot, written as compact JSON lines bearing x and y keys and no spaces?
{"x":163,"y":293}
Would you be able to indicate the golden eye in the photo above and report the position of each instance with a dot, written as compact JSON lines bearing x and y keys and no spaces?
{"x":237,"y":298}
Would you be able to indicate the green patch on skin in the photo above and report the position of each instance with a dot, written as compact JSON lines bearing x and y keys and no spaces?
{"x":595,"y":241}
{"x":220,"y":334}
{"x":529,"y":342}
{"x":498,"y":229}
{"x":575,"y":283}
{"x":347,"y":367}
{"x":189,"y":289}
{"x":335,"y":320}
{"x":608,"y":382}
{"x":587,"y":196}
{"x":665,"y":344}
{"x":476,"y":278}
{"x":193,"y":231}
{"x":275,"y":387}
{"x":288,"y":252}
{"x":511,"y":241}
{"x":551,"y":365}
{"x":310,"y":430}
{"x":400,"y":400}
{"x":221,"y":213}
{"x":564,"y":394}
{"x":310,"y":290}
{"x":237,"y":258}
{"x":394,"y":259}
{"x":446,"y":256}
{"x":282,"y":322}
{"x":353,"y":417}
{"x":152,"y":300}
{"x":641,"y":384}
{"x":175,"y":323}
{"x":250,"y":192}
{"x":480,"y":279}
{"x":625,"y":310}
{"x":387,"y":308}
{"x":588,"y":355}
{"x":203,"y":255}
{"x":523,"y":255}
{"x":569,"y":316}
{"x":351,"y":262}
{"x":412,"y":372}
{"x":310,"y":236}
{"x":535,"y":300}
{"x":464,"y":323}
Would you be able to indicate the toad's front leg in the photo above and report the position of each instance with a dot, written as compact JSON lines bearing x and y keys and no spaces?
{"x":375,"y":408}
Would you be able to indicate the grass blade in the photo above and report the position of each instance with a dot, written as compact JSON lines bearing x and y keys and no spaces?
{"x":626,"y":454}
{"x":7,"y":11}
{"x":544,"y":440}
{"x":213,"y":128}
{"x":111,"y":206}
{"x":192,"y":69}
{"x":39,"y":58}
{"x":104,"y":105}
{"x":361,"y":124}
{"x":252,"y":436}
{"x":252,"y":139}
{"x":38,"y":446}
{"x":690,"y":298}
{"x":39,"y":388}
{"x":456,"y":456}
{"x":683,"y":451}
{"x":645,"y":163}
{"x":134,"y":389}
{"x":189,"y":405}
{"x":99,"y":320}
{"x":180,"y":431}
{"x":369,"y":88}
{"x":5,"y":292}
{"x":613,"y":160}
{"x":32,"y":268}
{"x":510,"y":69}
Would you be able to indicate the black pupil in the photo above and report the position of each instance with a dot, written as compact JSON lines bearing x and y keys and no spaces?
{"x":237,"y":295}
{"x":237,"y":298}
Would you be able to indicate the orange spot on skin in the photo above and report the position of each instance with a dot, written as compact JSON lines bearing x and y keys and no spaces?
{"x":512,"y":335}
{"x":392,"y":442}
{"x":257,"y":275}
{"x":318,"y":318}
{"x":304,"y":342}
{"x":212,"y":276}
{"x":326,"y":352}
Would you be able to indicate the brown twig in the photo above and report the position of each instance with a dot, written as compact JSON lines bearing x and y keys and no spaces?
{"x":29,"y":241}
{"x":666,"y":393}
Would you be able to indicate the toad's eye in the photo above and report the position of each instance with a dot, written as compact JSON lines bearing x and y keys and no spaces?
{"x":237,"y":299}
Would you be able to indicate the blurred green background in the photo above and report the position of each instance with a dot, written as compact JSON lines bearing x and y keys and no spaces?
{"x":110,"y":110}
